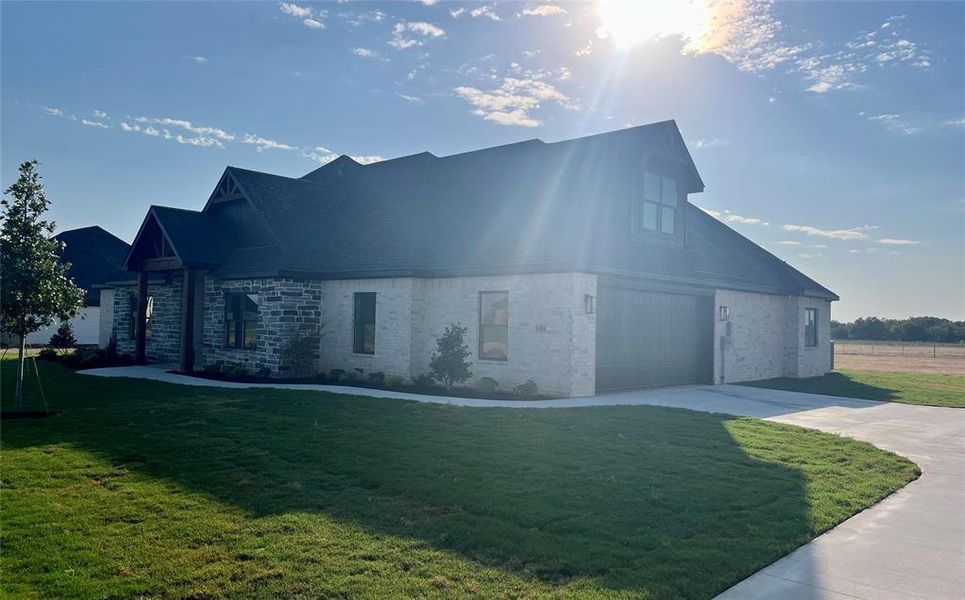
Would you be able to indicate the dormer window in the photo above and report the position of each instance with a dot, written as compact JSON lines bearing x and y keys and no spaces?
{"x":657,"y":204}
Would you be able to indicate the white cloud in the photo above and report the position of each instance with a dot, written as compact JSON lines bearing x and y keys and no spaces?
{"x":710,"y":143}
{"x":264,"y":143}
{"x":202,"y":135}
{"x":366,"y":159}
{"x":323,"y":155}
{"x":542,"y":10}
{"x":90,"y":123}
{"x":400,"y":42}
{"x":310,"y":18}
{"x":789,"y":243}
{"x":746,"y":33}
{"x":959,"y":122}
{"x":809,"y":254}
{"x":585,"y":50}
{"x":290,"y":8}
{"x":408,"y":98}
{"x":129,"y":127}
{"x":365,"y":53}
{"x":713,"y":213}
{"x":855,"y":233}
{"x":456,"y":13}
{"x":50,"y":110}
{"x":897,"y":242}
{"x":745,"y":220}
{"x":895,"y":122}
{"x":199,"y":59}
{"x":429,"y":2}
{"x":100,"y":114}
{"x":484,"y":11}
{"x":512,"y":101}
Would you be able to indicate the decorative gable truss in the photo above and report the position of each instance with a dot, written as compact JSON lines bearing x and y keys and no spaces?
{"x":226,"y":190}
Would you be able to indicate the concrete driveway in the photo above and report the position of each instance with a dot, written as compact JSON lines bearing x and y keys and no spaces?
{"x":911,"y":545}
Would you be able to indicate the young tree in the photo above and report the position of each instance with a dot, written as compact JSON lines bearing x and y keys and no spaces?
{"x":63,"y":339}
{"x":34,"y":287}
{"x":449,"y":364}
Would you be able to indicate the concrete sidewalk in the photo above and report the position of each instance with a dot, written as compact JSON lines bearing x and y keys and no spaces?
{"x":911,"y":545}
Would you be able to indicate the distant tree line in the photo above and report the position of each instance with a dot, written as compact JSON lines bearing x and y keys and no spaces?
{"x":914,"y":329}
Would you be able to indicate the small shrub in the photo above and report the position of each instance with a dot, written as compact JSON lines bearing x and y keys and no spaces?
{"x":64,"y":339}
{"x":526,"y":389}
{"x":377,"y":378}
{"x":300,"y":354}
{"x":48,"y":354}
{"x":394,"y":382}
{"x":89,"y":358}
{"x":348,"y":377}
{"x":335,"y":374}
{"x":424,"y":382}
{"x":449,"y":365}
{"x":264,"y":372}
{"x":237,"y":371}
{"x":111,"y":350}
{"x":486,"y":384}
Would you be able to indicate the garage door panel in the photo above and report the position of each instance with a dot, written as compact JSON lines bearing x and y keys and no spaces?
{"x":652,"y":338}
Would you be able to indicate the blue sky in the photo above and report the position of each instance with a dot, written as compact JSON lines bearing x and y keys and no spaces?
{"x":833,"y":134}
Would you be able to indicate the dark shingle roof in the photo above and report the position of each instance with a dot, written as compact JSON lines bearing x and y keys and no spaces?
{"x":524,"y":207}
{"x":94,"y":255}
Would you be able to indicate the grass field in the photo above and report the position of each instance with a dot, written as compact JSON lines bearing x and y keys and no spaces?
{"x":145,"y":489}
{"x":927,"y":389}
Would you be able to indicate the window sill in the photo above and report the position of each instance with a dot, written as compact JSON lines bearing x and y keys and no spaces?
{"x":372,"y":354}
{"x":494,"y":361}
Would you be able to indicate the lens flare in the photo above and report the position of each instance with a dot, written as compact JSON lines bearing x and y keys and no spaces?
{"x":630,"y":23}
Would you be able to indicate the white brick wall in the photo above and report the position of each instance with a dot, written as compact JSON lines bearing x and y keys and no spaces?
{"x":767,"y":337}
{"x":551,"y":339}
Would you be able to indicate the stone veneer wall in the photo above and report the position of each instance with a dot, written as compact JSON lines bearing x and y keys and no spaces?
{"x":285,"y":307}
{"x":106,"y":321}
{"x":551,"y":338}
{"x":164,"y":345}
{"x":767,"y":337}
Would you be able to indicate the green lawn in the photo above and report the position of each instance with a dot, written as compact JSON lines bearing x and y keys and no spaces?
{"x":926,"y":389}
{"x":147,"y":489}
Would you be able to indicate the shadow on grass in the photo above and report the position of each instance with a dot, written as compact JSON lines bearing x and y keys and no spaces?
{"x":831,"y":384}
{"x":645,"y":500}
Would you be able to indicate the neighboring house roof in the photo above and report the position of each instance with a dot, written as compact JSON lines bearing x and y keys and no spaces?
{"x":525,"y":207}
{"x":94,"y":255}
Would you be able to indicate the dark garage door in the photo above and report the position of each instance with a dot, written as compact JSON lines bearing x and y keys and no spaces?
{"x":652,"y":338}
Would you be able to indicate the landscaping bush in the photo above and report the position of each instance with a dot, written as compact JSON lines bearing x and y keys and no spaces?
{"x":377,"y":379}
{"x":63,"y":340}
{"x":335,"y":374}
{"x":48,"y":354}
{"x":449,"y":365}
{"x":394,"y":382}
{"x":526,"y":389}
{"x":424,"y":382}
{"x":237,"y":371}
{"x":486,"y":384}
{"x":300,"y":354}
{"x":348,"y":377}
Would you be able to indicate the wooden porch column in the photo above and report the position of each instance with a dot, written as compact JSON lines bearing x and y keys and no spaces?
{"x":187,"y":320}
{"x":139,"y":324}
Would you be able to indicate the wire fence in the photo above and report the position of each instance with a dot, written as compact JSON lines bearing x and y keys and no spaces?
{"x":876,"y":348}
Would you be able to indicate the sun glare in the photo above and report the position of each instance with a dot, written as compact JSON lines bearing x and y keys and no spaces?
{"x":630,"y":22}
